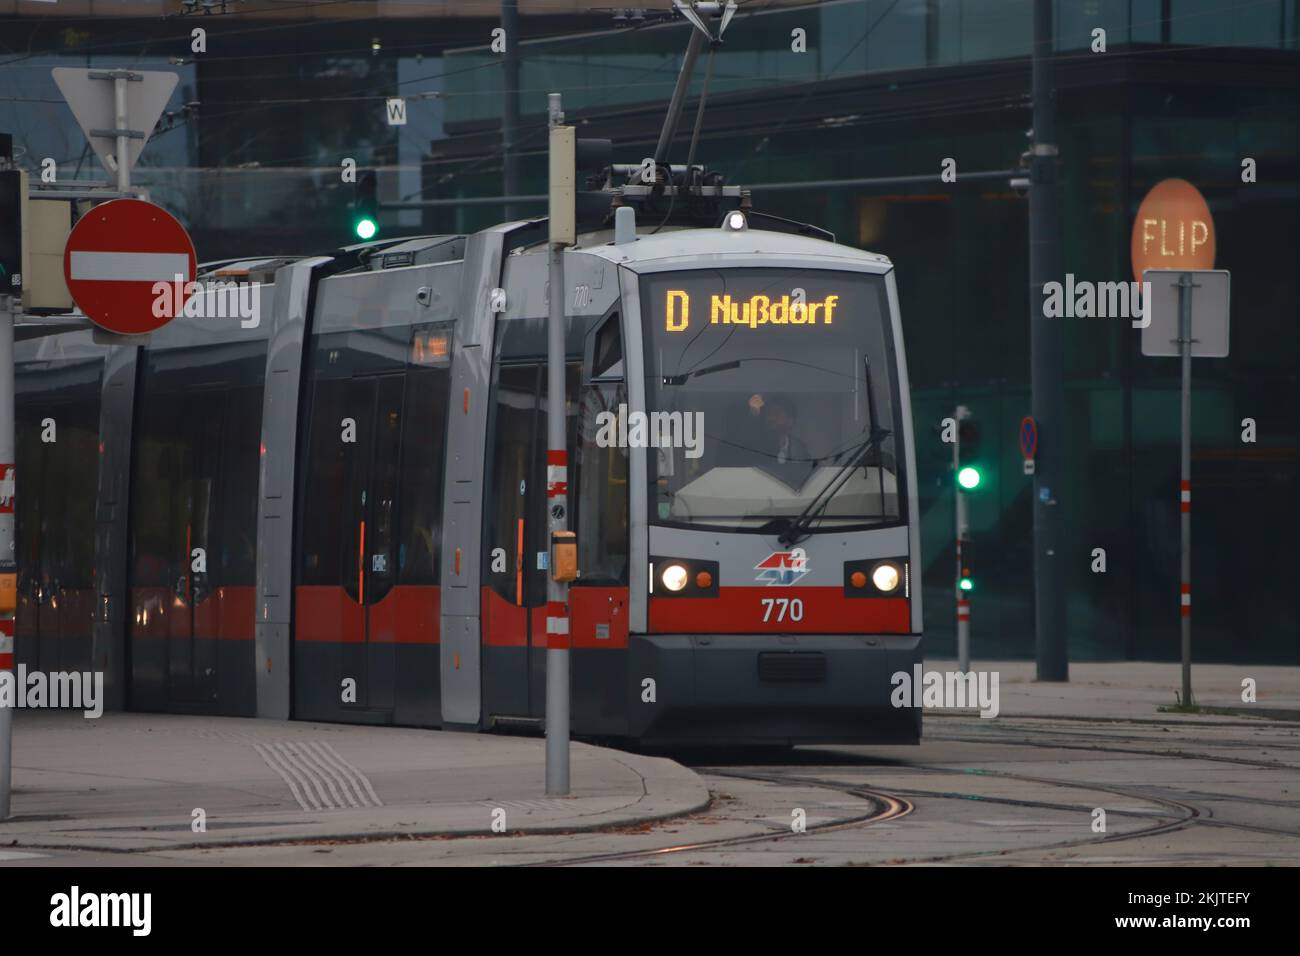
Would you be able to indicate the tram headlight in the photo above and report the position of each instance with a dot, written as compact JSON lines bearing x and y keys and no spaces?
{"x":886,"y":577}
{"x":735,"y":221}
{"x":676,"y":577}
{"x":673,"y":577}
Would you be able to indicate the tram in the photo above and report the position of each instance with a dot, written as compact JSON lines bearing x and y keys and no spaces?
{"x":339,"y":514}
{"x":331,"y":506}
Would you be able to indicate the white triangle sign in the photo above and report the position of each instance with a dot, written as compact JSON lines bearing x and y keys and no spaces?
{"x":90,"y":95}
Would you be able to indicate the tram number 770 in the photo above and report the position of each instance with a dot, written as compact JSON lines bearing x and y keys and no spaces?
{"x":786,"y":609}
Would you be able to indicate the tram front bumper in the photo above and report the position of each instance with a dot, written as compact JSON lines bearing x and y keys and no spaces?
{"x":725,"y":689}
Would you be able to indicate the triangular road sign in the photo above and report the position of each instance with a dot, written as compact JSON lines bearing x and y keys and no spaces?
{"x":90,"y":95}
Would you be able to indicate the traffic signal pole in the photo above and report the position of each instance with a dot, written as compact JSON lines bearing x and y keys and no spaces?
{"x":557,"y":459}
{"x":963,"y":534}
{"x":1046,"y":367}
{"x":7,"y":548}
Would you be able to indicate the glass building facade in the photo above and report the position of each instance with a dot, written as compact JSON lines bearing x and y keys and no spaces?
{"x":1185,"y":88}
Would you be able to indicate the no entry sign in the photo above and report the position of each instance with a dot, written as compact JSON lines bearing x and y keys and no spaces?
{"x":115,"y":256}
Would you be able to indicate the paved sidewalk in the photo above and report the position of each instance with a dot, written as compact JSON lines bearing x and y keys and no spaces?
{"x":1133,"y":690}
{"x":134,"y":782}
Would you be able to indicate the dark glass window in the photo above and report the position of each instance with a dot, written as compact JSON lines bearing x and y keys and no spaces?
{"x":601,"y":520}
{"x":514,"y":431}
{"x":423,"y":456}
{"x":517,"y":503}
{"x":325,"y":480}
{"x":371,"y":505}
{"x":770,"y":387}
{"x":56,"y":488}
{"x":195,"y":474}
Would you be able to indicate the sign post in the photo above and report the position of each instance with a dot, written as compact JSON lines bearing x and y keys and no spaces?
{"x":1178,"y":323}
{"x":562,"y":562}
{"x":8,"y":551}
{"x":1172,"y":249}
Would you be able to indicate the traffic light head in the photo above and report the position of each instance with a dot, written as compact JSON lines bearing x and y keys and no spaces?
{"x":365,"y":207}
{"x":12,"y":201}
{"x":970,"y":467}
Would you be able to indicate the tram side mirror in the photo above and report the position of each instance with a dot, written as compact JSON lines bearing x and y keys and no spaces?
{"x":564,"y":556}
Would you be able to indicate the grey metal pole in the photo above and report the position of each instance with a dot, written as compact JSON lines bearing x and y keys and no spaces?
{"x":1046,"y":365}
{"x":7,"y":550}
{"x":119,"y":124}
{"x":963,"y":605}
{"x":963,"y":602}
{"x":557,"y":593}
{"x":1185,"y":482}
{"x":510,"y":108}
{"x":679,"y":95}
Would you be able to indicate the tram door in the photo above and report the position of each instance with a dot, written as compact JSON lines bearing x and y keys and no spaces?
{"x":193,"y":538}
{"x":191,"y":656}
{"x":363,"y":426}
{"x":514,"y":546}
{"x":56,"y":551}
{"x":369,"y":549}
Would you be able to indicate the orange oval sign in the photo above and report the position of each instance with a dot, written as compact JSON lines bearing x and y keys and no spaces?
{"x":1173,"y":229}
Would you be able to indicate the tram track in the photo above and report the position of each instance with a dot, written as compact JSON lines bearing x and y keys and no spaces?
{"x":1174,"y":813}
{"x":1185,"y":813}
{"x":888,"y":807}
{"x":898,"y":803}
{"x":1075,"y":744}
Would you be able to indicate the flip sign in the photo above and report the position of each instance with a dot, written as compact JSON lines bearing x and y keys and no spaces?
{"x":1173,"y":229}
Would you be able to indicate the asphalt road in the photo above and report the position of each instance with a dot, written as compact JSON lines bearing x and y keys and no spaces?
{"x":1011,"y":791}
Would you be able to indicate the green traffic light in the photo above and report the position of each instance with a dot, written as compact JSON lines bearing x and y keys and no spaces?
{"x":967,"y":584}
{"x":969,"y":477}
{"x":366,"y":228}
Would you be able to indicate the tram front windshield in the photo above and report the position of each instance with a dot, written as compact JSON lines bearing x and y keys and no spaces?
{"x":770,"y":392}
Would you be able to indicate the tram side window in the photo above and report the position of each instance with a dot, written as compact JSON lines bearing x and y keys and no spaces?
{"x":30,"y":507}
{"x":81,"y":449}
{"x":602,"y":511}
{"x":159,"y":494}
{"x":240,"y":463}
{"x":201,"y":512}
{"x":513,"y":433}
{"x":424,"y":435}
{"x":324,"y":508}
{"x":517,"y":480}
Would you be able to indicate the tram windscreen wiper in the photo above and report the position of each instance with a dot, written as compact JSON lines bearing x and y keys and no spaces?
{"x":696,"y":373}
{"x":795,"y":531}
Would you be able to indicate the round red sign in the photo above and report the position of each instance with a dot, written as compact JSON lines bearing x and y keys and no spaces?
{"x":1173,"y":229}
{"x":129,"y":265}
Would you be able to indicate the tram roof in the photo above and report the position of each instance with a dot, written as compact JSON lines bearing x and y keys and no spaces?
{"x":700,"y":245}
